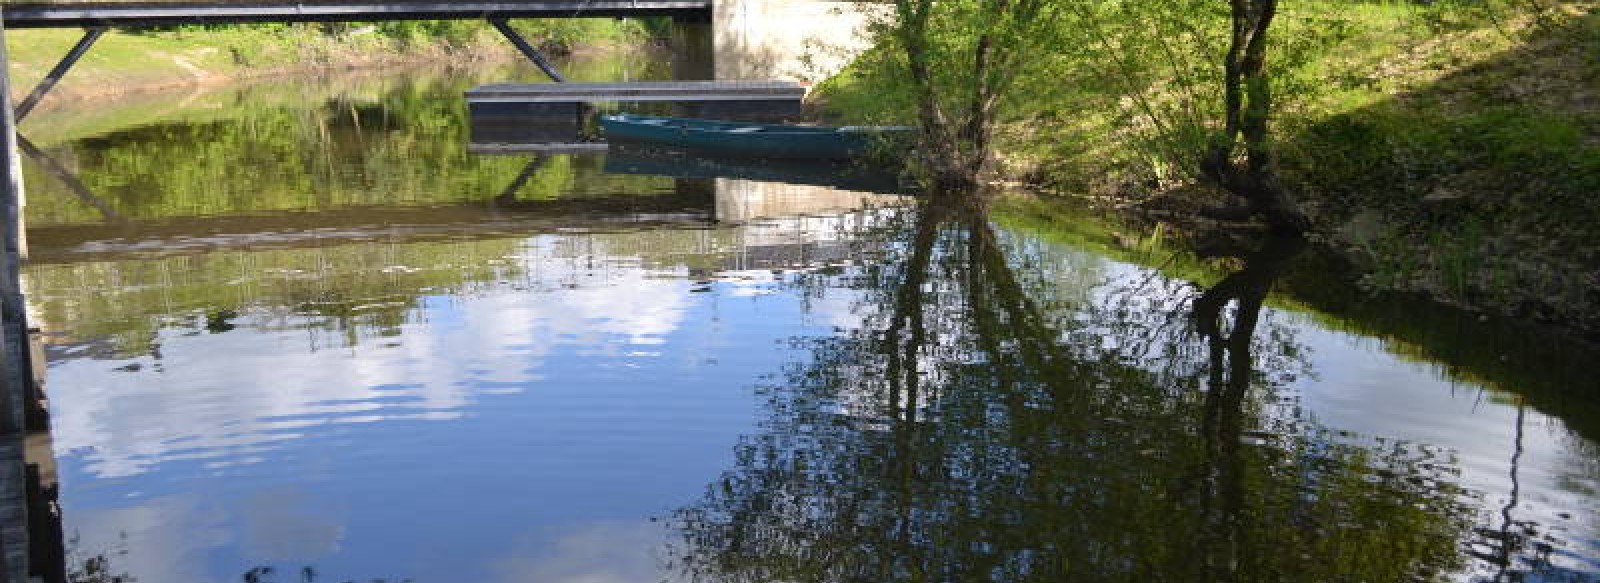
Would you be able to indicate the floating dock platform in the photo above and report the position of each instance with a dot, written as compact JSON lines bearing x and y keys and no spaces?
{"x":638,"y":91}
{"x":563,"y":99}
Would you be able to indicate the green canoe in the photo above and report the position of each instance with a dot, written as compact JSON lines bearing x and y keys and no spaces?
{"x":753,"y":139}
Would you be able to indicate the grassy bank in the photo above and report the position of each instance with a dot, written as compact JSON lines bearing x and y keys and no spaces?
{"x":132,"y":61}
{"x":1443,"y":148}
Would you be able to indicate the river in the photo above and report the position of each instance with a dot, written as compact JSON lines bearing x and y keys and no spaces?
{"x":297,"y":331}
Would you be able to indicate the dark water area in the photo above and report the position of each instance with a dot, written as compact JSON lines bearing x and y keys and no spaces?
{"x":302,"y":331}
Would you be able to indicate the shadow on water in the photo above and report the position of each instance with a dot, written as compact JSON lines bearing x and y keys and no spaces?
{"x":1547,"y":369}
{"x":983,"y":426}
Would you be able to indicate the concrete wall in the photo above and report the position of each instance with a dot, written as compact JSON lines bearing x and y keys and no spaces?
{"x":797,"y":40}
{"x":746,"y":201}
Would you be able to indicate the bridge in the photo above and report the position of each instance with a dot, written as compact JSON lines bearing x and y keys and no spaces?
{"x":39,"y":15}
{"x":804,"y":40}
{"x":97,"y":17}
{"x":140,"y":14}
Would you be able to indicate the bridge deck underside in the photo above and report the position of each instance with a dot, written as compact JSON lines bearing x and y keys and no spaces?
{"x":86,"y":14}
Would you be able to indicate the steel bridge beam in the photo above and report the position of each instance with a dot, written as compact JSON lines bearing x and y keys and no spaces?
{"x":135,"y":14}
{"x":527,"y":49}
{"x":60,"y":70}
{"x":69,"y":179}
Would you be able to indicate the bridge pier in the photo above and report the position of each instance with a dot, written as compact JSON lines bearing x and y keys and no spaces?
{"x":14,"y":549}
{"x":794,"y":40}
{"x":29,"y":525}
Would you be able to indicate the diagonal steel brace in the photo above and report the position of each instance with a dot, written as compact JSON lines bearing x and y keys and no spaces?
{"x":90,"y":35}
{"x":527,"y":49}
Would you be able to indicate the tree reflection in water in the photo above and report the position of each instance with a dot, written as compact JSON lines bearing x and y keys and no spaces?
{"x":982,"y":425}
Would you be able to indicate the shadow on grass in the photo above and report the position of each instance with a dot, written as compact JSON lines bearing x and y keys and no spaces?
{"x":1477,"y":189}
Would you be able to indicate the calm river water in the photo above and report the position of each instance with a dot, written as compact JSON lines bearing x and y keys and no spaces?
{"x":297,"y":332}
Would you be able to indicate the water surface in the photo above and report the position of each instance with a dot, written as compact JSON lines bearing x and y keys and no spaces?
{"x":299,"y":326}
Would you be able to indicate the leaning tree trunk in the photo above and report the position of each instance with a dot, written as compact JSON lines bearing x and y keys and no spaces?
{"x":1248,"y":103}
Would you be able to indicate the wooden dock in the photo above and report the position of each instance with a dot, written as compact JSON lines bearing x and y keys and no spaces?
{"x":768,"y":100}
{"x":640,"y":91}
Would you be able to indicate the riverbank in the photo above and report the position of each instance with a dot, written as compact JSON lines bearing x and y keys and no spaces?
{"x":1441,"y":152}
{"x":129,"y":62}
{"x":1506,"y":354}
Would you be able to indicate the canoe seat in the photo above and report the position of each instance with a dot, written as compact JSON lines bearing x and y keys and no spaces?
{"x":744,"y":130}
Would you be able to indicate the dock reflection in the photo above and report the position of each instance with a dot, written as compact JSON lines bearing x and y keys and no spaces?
{"x":364,"y":277}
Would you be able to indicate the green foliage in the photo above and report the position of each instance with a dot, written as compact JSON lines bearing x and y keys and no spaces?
{"x":953,"y":63}
{"x":1462,"y":123}
{"x":869,"y":90}
{"x":563,"y":33}
{"x":1486,"y":182}
{"x":1145,"y":75}
{"x":453,"y":33}
{"x":559,"y":34}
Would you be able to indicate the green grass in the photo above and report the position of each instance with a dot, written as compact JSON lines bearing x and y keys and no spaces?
{"x":1484,"y":169}
{"x":1451,"y":149}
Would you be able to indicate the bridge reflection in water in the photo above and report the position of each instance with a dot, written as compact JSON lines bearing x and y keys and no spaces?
{"x":351,"y":276}
{"x":335,"y":335}
{"x":359,"y":291}
{"x":327,"y":220}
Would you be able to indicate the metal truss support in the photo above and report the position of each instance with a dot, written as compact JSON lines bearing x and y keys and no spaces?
{"x":55,"y":168}
{"x":90,"y":35}
{"x":527,"y":49}
{"x":509,"y":196}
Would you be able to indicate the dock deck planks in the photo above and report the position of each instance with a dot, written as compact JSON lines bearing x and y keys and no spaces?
{"x":638,"y":92}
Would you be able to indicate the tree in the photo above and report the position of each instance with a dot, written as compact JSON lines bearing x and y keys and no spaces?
{"x":1191,"y":81}
{"x":1247,"y":105}
{"x":961,"y":57}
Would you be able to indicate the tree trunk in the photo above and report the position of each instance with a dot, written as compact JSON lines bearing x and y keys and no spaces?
{"x":1247,"y":99}
{"x":957,"y":122}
